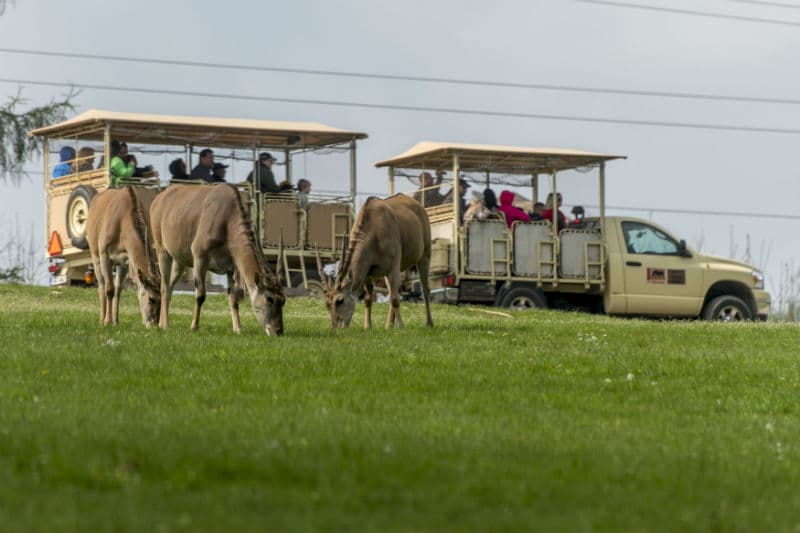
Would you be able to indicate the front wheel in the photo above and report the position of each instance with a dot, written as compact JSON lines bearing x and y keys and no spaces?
{"x":727,"y":309}
{"x":77,"y":213}
{"x":522,"y":298}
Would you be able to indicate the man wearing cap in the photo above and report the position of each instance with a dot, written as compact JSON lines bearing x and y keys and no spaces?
{"x":219,"y":173}
{"x":266,"y":179}
{"x":463,"y":186}
{"x":205,"y":168}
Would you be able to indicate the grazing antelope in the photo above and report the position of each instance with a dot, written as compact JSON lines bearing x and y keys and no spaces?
{"x":118,"y":235}
{"x":389,"y":236}
{"x":209,"y":228}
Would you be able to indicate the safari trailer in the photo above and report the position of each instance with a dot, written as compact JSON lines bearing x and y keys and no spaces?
{"x":616,"y":265}
{"x":157,"y":139}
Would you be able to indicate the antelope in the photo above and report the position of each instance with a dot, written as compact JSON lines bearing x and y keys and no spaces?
{"x":118,"y":235}
{"x":208,"y":227}
{"x":389,"y":236}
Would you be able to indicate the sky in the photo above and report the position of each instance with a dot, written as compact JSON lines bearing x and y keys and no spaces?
{"x":566,"y":43}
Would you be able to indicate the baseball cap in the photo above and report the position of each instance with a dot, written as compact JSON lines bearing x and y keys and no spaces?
{"x":220,"y":165}
{"x":263,"y":156}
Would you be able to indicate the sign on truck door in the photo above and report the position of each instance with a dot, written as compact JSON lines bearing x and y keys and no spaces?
{"x":658,"y":280}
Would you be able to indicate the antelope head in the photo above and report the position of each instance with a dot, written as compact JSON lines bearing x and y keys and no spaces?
{"x":339,"y":297}
{"x":149,"y":294}
{"x":267,"y":297}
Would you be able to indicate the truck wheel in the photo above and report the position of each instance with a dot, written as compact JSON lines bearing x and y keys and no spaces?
{"x":521,"y":298}
{"x":727,"y":309}
{"x":77,"y":212}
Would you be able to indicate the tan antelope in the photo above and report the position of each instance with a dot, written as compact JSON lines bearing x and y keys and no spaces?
{"x":209,"y":228}
{"x":118,"y":235}
{"x":388,"y":237}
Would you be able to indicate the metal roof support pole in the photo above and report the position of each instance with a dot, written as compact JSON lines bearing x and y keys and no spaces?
{"x":456,"y":199}
{"x":46,"y":157}
{"x":353,"y":172}
{"x":391,"y":181}
{"x":287,"y":156}
{"x":107,"y":153}
{"x":534,"y":189}
{"x":602,"y":196}
{"x":487,"y":179}
{"x":189,"y":148}
{"x":554,"y":205}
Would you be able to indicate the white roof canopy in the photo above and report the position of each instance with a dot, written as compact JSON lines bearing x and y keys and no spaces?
{"x":197,"y":131}
{"x":492,"y":158}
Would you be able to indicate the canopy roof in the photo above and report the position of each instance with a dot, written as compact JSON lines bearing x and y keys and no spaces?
{"x":198,"y":131}
{"x":486,"y":157}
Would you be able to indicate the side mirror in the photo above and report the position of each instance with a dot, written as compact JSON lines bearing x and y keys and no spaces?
{"x":682,"y":251}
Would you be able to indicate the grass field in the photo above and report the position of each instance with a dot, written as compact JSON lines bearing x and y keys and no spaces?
{"x":542,"y":421}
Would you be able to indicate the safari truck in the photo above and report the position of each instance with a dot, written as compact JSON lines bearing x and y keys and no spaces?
{"x":612,"y":264}
{"x":85,"y":140}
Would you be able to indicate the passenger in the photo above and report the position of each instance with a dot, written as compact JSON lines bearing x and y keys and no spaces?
{"x":579,"y":214}
{"x":511,"y":212}
{"x":285,"y":186}
{"x":536,"y":214}
{"x":303,"y":190}
{"x":64,"y":168}
{"x":477,"y":209}
{"x":429,"y":189}
{"x":463,"y":185}
{"x":119,"y":169}
{"x":266,"y":179}
{"x":218,"y":175}
{"x":547,"y":214}
{"x":177,"y":170}
{"x":85,"y":161}
{"x":138,"y":172}
{"x":205,"y":167}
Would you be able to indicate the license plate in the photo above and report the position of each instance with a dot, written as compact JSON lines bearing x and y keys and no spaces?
{"x":58,"y":280}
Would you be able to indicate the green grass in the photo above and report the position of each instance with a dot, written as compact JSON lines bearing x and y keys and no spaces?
{"x":543,"y":421}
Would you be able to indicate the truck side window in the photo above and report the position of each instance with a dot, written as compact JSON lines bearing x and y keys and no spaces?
{"x":644,"y":239}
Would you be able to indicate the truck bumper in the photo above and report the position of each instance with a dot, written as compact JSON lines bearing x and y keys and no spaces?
{"x":763,"y":302}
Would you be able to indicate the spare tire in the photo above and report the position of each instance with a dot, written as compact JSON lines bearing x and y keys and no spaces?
{"x":77,"y":212}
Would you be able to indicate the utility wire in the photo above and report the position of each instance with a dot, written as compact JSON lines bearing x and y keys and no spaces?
{"x":764,"y":3}
{"x":424,"y":79}
{"x":691,"y":12}
{"x":393,"y":107}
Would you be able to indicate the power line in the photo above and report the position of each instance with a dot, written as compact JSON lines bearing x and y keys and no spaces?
{"x":424,"y":79}
{"x":394,"y":107}
{"x":764,"y":3}
{"x":691,"y":12}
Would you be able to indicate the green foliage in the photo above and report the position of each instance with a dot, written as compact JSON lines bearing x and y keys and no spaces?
{"x":540,"y":421}
{"x":15,"y":145}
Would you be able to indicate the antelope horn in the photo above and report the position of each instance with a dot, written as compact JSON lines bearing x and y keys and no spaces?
{"x":322,"y":276}
{"x":345,"y":242}
{"x":279,"y":266}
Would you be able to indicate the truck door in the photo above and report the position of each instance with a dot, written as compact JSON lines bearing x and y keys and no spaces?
{"x":658,"y":280}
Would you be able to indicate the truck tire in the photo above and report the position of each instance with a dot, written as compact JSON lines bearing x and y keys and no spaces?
{"x":522,"y":298}
{"x":77,"y":212}
{"x":727,"y":309}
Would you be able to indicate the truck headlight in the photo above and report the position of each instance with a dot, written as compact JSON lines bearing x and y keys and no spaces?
{"x":758,"y":279}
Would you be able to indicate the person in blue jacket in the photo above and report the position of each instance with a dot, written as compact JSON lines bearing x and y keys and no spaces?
{"x":64,"y":168}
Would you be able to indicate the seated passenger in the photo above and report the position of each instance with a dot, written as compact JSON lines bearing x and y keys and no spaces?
{"x":119,"y":168}
{"x":463,"y":185}
{"x":536,"y":214}
{"x":205,"y":166}
{"x":85,"y":160}
{"x":508,"y":208}
{"x":476,"y":210}
{"x":490,"y":200}
{"x":429,"y":189}
{"x":64,"y":168}
{"x":303,"y":190}
{"x":219,"y":173}
{"x":547,"y":214}
{"x":285,"y":186}
{"x":177,"y":170}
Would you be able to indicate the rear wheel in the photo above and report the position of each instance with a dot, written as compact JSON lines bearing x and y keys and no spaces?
{"x":727,"y":309}
{"x":522,"y":298}
{"x":77,"y":213}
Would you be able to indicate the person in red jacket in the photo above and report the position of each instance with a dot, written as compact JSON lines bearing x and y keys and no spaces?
{"x":547,"y":214}
{"x":511,"y":212}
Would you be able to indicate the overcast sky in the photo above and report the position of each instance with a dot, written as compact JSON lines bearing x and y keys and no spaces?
{"x":557,"y":42}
